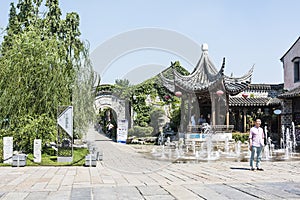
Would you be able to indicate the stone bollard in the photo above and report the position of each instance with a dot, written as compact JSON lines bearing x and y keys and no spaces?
{"x":99,"y":155}
{"x":19,"y":160}
{"x":90,"y":160}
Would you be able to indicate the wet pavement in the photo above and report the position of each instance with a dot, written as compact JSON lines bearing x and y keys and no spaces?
{"x":124,"y":173}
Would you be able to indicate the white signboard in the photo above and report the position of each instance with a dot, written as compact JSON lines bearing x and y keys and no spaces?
{"x":65,"y":120}
{"x":122,"y":131}
{"x":277,"y":112}
{"x":7,"y":149}
{"x":37,"y":147}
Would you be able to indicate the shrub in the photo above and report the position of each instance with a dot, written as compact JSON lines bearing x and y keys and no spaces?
{"x":240,"y":137}
{"x":139,"y":131}
{"x":30,"y":128}
{"x":157,"y":119}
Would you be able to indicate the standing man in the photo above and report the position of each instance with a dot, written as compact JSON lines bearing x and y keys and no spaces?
{"x":256,"y":141}
{"x":201,"y":120}
{"x":193,"y":123}
{"x":193,"y":120}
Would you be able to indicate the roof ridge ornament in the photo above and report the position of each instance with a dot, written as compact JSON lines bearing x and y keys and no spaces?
{"x":204,"y":48}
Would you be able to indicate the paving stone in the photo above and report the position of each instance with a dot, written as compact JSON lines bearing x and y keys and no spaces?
{"x":67,"y":180}
{"x":37,"y":195}
{"x":61,"y":195}
{"x":256,"y":191}
{"x":2,"y":194}
{"x":128,"y":192}
{"x":104,"y":193}
{"x":39,"y":186}
{"x":18,"y":180}
{"x":181,"y":193}
{"x":152,"y":190}
{"x":15,"y":196}
{"x":206,"y":193}
{"x":160,"y":197}
{"x":278,"y":189}
{"x":81,"y":193}
{"x":229,"y":192}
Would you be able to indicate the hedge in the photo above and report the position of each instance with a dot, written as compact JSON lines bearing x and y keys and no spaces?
{"x":243,"y":137}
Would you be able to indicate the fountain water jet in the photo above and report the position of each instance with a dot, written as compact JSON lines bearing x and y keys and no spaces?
{"x":208,"y":148}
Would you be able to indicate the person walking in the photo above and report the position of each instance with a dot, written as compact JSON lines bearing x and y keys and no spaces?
{"x":110,"y":127}
{"x":256,"y":141}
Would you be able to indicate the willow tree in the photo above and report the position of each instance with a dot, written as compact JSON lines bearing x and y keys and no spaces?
{"x":43,"y":65}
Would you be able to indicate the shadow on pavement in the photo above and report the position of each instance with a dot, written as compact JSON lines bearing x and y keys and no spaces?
{"x":240,"y":168}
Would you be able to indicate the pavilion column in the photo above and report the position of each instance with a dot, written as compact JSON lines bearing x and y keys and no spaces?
{"x":245,"y":119}
{"x":189,"y":111}
{"x":183,"y":114}
{"x":227,"y":110}
{"x":213,"y":109}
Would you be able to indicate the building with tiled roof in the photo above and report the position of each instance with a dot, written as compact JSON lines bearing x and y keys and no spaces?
{"x":258,"y":100}
{"x":258,"y":95}
{"x":291,"y":97}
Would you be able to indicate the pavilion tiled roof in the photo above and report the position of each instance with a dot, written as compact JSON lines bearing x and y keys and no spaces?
{"x":205,"y":76}
{"x":291,"y":93}
{"x":236,"y":85}
{"x":249,"y":102}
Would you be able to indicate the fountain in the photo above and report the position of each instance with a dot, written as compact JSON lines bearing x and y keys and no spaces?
{"x":294,"y":137}
{"x":208,"y":148}
{"x":238,"y":148}
{"x":282,"y":138}
{"x":288,"y":145}
{"x":267,"y":148}
{"x":226,"y":148}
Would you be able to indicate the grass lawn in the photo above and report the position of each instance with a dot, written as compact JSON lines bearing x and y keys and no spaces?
{"x":48,"y":160}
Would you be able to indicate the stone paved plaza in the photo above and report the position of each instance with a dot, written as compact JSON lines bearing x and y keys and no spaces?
{"x":126,"y":174}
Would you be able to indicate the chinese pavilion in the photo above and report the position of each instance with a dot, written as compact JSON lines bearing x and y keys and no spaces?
{"x":205,"y":91}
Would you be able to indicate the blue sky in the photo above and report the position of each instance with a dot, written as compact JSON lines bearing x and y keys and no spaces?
{"x":246,"y":33}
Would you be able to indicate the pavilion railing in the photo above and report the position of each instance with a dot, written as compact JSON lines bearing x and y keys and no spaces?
{"x":213,"y":128}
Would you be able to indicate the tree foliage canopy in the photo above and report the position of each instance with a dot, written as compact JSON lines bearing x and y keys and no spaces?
{"x":44,"y":64}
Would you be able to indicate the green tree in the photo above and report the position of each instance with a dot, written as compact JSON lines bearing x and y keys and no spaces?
{"x":122,"y":88}
{"x":83,"y":96}
{"x":53,"y":18}
{"x":43,"y":65}
{"x":34,"y":81}
{"x":122,"y":82}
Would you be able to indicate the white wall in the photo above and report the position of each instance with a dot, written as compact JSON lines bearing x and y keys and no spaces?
{"x":288,"y":66}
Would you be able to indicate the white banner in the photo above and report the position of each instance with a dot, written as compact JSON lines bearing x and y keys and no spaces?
{"x":37,"y":148}
{"x":7,"y":149}
{"x":122,"y":131}
{"x":65,"y":120}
